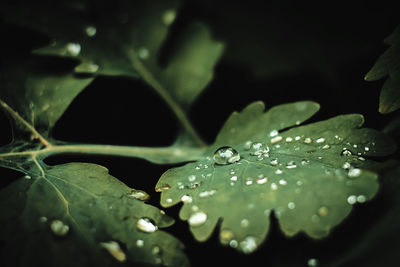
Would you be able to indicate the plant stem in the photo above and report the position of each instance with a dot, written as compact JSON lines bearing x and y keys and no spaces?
{"x":159,"y":155}
{"x":152,"y":81}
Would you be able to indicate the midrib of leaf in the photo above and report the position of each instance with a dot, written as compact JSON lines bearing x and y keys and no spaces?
{"x":152,"y":81}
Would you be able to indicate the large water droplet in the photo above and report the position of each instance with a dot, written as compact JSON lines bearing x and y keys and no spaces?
{"x":73,"y":49}
{"x":59,"y":228}
{"x":197,"y":219}
{"x":226,"y":155}
{"x":115,"y":250}
{"x":248,"y":245}
{"x":90,"y":31}
{"x":146,"y":225}
{"x":138,"y":194}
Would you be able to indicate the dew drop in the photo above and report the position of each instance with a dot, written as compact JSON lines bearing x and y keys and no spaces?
{"x":43,"y":219}
{"x":138,"y":194}
{"x":320,"y":140}
{"x":308,"y":140}
{"x":207,"y":193}
{"x":248,"y":245}
{"x":273,"y":133}
{"x":291,"y":165}
{"x":274,"y":186}
{"x":27,"y":177}
{"x":276,"y":139}
{"x":186,"y":199}
{"x":274,"y":162}
{"x":262,"y":180}
{"x":352,"y":199}
{"x":282,"y":182}
{"x":323,"y":211}
{"x":156,"y":250}
{"x":244,"y":223}
{"x":87,"y":67}
{"x":249,"y":181}
{"x":73,"y":49}
{"x":163,"y":187}
{"x":326,"y":147}
{"x":366,"y":148}
{"x":291,"y":205}
{"x":312,"y":262}
{"x":346,"y":152}
{"x":361,"y":199}
{"x":354,"y":172}
{"x":346,"y":166}
{"x":234,"y":178}
{"x":115,"y":250}
{"x":90,"y":31}
{"x":233,"y":243}
{"x":278,"y":171}
{"x":143,"y":53}
{"x":297,"y":138}
{"x":197,"y":219}
{"x":259,"y":149}
{"x":139,"y":243}
{"x":169,"y":17}
{"x":146,"y":225}
{"x":59,"y":228}
{"x":191,"y":178}
{"x":226,"y":155}
{"x":247,"y":145}
{"x":289,"y":139}
{"x":305,"y":162}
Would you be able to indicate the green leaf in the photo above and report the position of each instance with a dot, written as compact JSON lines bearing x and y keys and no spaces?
{"x":91,"y":209}
{"x":309,"y":176}
{"x":126,"y":38}
{"x":388,"y":65}
{"x":39,"y":96}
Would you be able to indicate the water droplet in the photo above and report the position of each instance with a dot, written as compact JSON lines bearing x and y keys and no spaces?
{"x":43,"y":219}
{"x":249,"y":181}
{"x":90,"y":31}
{"x":259,"y":149}
{"x":308,"y":140}
{"x":138,"y":194}
{"x":282,"y":182}
{"x":244,"y":223}
{"x":291,"y":165}
{"x":146,"y":225}
{"x":361,"y":199}
{"x":232,"y":171}
{"x":276,"y":139}
{"x":226,"y":155}
{"x":197,"y":219}
{"x":289,"y":139}
{"x":273,"y":133}
{"x":346,"y":165}
{"x":278,"y":171}
{"x":291,"y":205}
{"x":305,"y":162}
{"x":315,"y":218}
{"x":163,"y":187}
{"x":226,"y":236}
{"x":326,"y":147}
{"x":155,"y":250}
{"x":247,"y":145}
{"x":194,"y":185}
{"x":87,"y":67}
{"x":115,"y":250}
{"x":354,"y":172}
{"x":267,"y":212}
{"x":73,"y":49}
{"x":262,"y":180}
{"x":59,"y":228}
{"x":352,"y":199}
{"x":274,"y":162}
{"x":169,"y":17}
{"x":361,"y":158}
{"x":297,"y":138}
{"x":346,"y":152}
{"x":169,"y":200}
{"x":191,"y":178}
{"x":355,"y":146}
{"x":312,"y":262}
{"x":186,"y":199}
{"x":139,"y":243}
{"x":234,"y":178}
{"x":143,"y":53}
{"x":27,"y":177}
{"x":207,"y":193}
{"x":366,"y":148}
{"x":320,"y":140}
{"x":248,"y":245}
{"x":299,"y":183}
{"x":197,"y":168}
{"x":274,"y":186}
{"x":233,"y":243}
{"x":323,"y":211}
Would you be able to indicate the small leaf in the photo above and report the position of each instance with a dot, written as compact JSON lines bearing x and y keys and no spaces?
{"x":310,"y":176}
{"x":77,"y":214}
{"x":388,"y":64}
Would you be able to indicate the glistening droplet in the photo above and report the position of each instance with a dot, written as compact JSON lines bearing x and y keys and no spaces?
{"x":115,"y":250}
{"x":146,"y":225}
{"x":59,"y":228}
{"x":198,"y":218}
{"x":226,"y":155}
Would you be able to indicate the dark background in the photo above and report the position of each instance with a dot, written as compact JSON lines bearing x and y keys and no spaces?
{"x":278,"y":52}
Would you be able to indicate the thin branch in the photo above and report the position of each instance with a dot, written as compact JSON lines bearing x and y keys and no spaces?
{"x":18,"y":117}
{"x":152,"y":81}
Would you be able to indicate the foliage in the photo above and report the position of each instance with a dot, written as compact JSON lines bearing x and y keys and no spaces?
{"x":263,"y":163}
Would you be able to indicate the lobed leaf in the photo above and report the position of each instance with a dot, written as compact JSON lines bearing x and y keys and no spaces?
{"x":96,"y":208}
{"x":310,"y":176}
{"x":388,"y":66}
